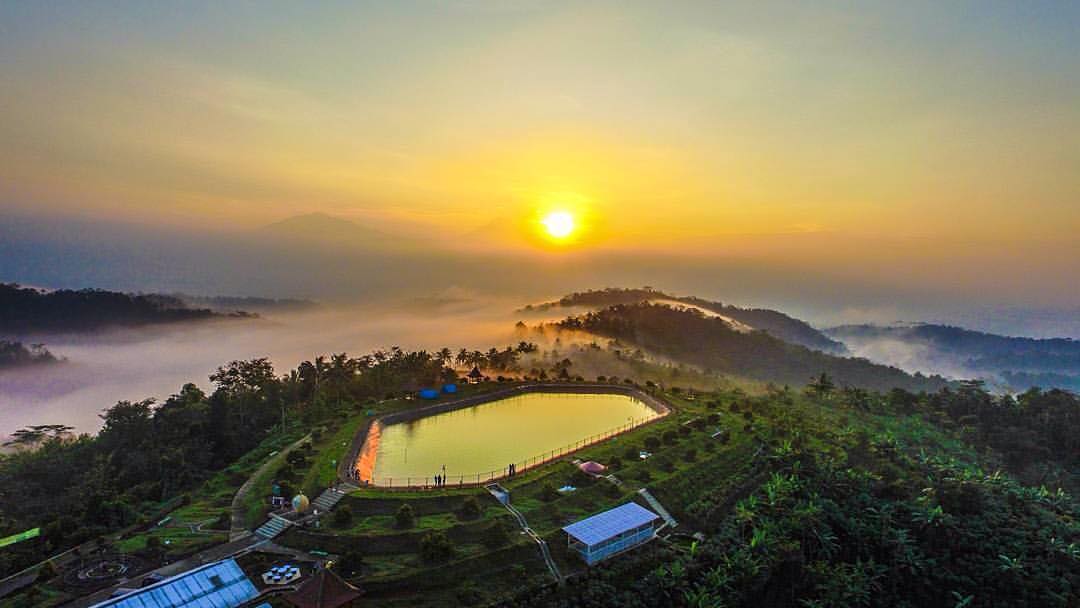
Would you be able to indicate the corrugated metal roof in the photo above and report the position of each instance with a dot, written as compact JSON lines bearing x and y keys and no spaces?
{"x":603,"y":526}
{"x":219,"y":585}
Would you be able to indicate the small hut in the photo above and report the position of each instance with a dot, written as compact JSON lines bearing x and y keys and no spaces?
{"x":475,"y":376}
{"x":614,"y":531}
{"x":323,"y":590}
{"x":592,"y":468}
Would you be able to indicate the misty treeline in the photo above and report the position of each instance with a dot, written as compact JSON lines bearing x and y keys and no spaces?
{"x":25,"y":310}
{"x":860,"y":498}
{"x":1020,"y":362}
{"x":775,"y":323}
{"x":17,"y":354}
{"x":690,"y":336}
{"x":80,"y":487}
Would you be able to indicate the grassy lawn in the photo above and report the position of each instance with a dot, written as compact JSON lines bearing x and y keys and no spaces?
{"x":175,"y":540}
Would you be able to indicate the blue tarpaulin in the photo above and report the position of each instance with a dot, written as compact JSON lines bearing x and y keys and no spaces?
{"x":449,"y":388}
{"x":429,"y":393}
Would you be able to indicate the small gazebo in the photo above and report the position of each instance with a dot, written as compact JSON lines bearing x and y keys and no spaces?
{"x":475,"y":375}
{"x":324,"y":589}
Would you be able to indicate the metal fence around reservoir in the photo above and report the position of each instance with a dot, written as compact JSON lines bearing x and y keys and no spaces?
{"x":478,"y":479}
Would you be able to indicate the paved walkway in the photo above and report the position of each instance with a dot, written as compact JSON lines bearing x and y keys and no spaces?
{"x":238,"y":526}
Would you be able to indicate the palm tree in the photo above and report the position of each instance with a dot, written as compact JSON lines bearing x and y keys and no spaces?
{"x":444,"y":355}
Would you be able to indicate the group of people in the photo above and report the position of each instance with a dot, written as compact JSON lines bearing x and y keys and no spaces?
{"x":512,"y":469}
{"x":440,"y":480}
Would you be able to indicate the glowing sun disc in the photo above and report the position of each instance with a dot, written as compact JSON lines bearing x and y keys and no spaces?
{"x":558,"y":224}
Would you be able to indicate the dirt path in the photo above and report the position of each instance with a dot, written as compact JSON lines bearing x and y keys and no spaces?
{"x":238,"y":526}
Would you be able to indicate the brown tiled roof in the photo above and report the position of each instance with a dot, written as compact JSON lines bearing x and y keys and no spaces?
{"x":323,"y":590}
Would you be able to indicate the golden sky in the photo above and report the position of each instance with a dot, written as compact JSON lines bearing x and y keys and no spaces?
{"x":672,"y":125}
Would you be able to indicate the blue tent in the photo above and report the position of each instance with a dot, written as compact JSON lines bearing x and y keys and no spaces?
{"x":449,"y":388}
{"x":429,"y":393}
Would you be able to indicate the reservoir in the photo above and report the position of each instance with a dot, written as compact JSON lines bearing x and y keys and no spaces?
{"x":477,"y":443}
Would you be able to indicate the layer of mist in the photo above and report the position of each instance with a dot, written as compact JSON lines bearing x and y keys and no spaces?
{"x":155,"y":362}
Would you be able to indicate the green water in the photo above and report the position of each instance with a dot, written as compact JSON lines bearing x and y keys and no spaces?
{"x":485,"y":438}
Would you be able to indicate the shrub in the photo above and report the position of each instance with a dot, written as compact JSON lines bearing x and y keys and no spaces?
{"x":405,"y":516}
{"x":435,"y":547}
{"x":48,"y":571}
{"x":496,"y":535}
{"x":644,"y":475}
{"x":631,"y":453}
{"x":652,"y":443}
{"x":351,"y":564}
{"x":710,"y":446}
{"x":223,"y":521}
{"x":548,"y":493}
{"x":665,"y":464}
{"x":614,"y":462}
{"x":580,"y":478}
{"x":690,"y":455}
{"x":671,"y":437}
{"x":713,"y":419}
{"x":684,"y":430}
{"x":469,"y":594}
{"x":342,"y":517}
{"x":470,"y":509}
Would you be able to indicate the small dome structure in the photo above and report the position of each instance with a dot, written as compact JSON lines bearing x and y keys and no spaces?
{"x":592,"y":467}
{"x":300,"y":503}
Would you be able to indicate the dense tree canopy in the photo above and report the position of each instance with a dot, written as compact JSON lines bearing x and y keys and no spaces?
{"x":24,"y":310}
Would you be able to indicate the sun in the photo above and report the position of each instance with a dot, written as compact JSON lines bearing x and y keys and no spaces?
{"x":558,"y":224}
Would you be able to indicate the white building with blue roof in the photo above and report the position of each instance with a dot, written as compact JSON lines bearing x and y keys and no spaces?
{"x":218,"y":585}
{"x":614,"y":531}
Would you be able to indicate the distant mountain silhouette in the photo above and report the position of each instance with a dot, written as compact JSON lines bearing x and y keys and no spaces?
{"x":328,"y":230}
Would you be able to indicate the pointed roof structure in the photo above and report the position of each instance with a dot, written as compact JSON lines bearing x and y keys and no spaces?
{"x":475,"y":373}
{"x":324,"y":589}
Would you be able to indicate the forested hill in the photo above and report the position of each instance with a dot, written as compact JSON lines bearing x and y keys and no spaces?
{"x":25,"y":310}
{"x":1016,"y":361}
{"x":691,"y":337}
{"x":245,"y":303}
{"x":17,"y":354}
{"x":778,"y":324}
